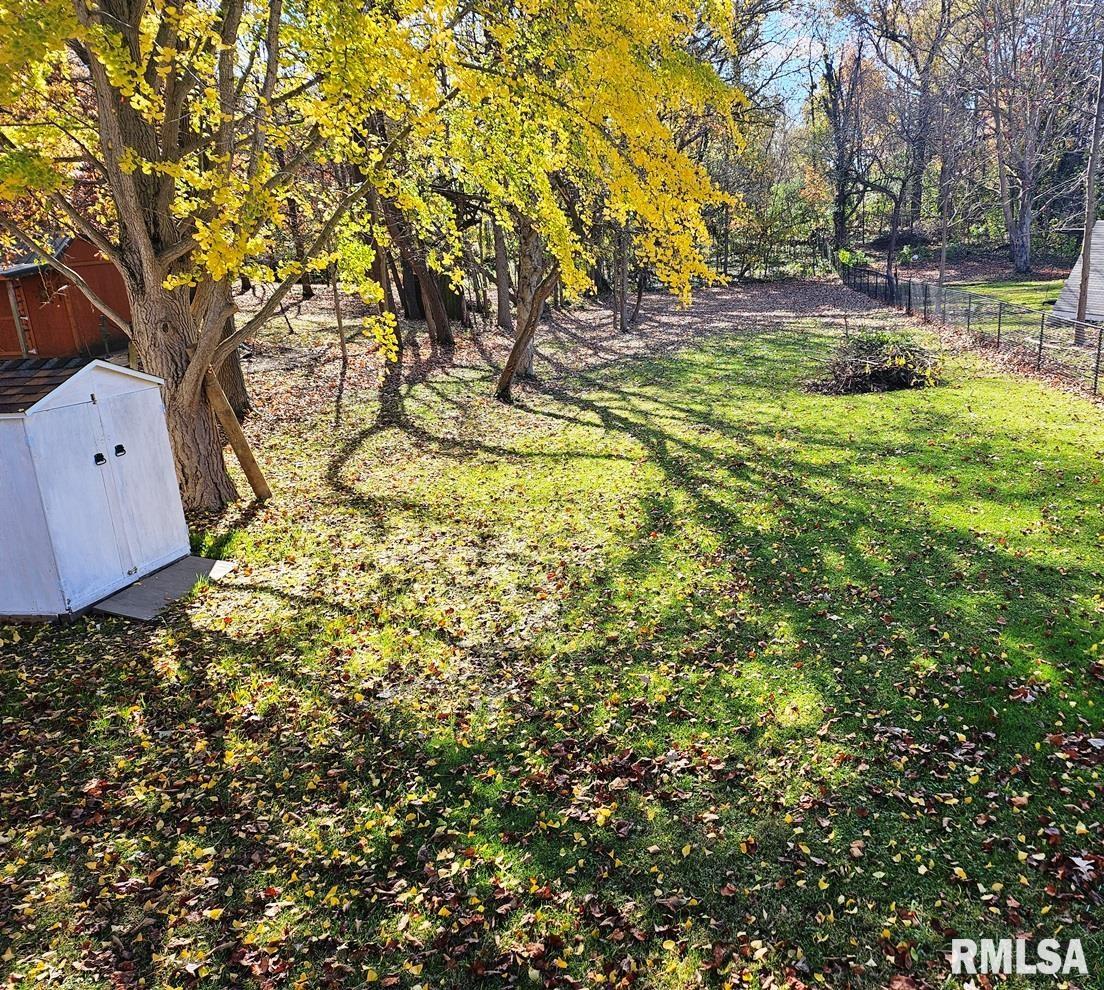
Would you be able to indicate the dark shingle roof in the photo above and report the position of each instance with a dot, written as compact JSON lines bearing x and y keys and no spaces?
{"x":29,"y":262}
{"x":24,"y":381}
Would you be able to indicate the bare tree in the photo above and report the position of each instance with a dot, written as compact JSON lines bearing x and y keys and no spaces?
{"x":909,"y":37}
{"x":840,"y":100}
{"x":1029,"y":78}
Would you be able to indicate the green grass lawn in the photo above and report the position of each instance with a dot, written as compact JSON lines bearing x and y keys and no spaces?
{"x":679,"y":672}
{"x":1035,"y":292}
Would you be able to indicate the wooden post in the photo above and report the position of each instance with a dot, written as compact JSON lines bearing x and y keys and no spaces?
{"x":232,"y":428}
{"x":1042,"y":328}
{"x":1000,"y":322}
{"x":19,"y":331}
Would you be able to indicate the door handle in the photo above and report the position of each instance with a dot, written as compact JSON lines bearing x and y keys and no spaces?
{"x":100,"y":459}
{"x":120,"y":450}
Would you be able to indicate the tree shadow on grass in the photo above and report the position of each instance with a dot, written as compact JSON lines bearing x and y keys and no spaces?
{"x":772,"y":642}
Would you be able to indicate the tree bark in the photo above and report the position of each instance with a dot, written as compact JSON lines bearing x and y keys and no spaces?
{"x":918,"y":153}
{"x":163,"y":327}
{"x":1019,"y":236}
{"x":530,"y":301}
{"x":503,"y":315}
{"x":535,"y":282}
{"x":523,"y":343}
{"x":433,"y":303}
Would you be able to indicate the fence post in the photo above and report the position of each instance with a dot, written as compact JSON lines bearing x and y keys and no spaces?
{"x":1096,"y":370}
{"x":1000,"y":322}
{"x":969,"y":310}
{"x":1039,"y":356}
{"x":909,"y":309}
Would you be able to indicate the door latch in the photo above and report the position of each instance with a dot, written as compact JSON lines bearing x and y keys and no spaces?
{"x":100,"y":459}
{"x":120,"y":450}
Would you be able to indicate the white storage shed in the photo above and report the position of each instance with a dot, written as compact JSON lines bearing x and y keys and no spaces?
{"x":89,"y":501}
{"x":1066,"y":304}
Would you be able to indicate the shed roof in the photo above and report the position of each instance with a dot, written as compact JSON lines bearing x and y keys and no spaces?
{"x":24,"y":381}
{"x":29,"y":262}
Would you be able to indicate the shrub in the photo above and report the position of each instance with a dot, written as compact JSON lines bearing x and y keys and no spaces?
{"x":851,"y":257}
{"x":879,"y":362}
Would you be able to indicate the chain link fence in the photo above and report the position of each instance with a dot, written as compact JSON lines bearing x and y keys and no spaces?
{"x":1069,"y":350}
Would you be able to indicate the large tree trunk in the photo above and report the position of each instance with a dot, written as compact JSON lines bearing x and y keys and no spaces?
{"x":163,"y":330}
{"x":1019,"y":238}
{"x":503,"y":315}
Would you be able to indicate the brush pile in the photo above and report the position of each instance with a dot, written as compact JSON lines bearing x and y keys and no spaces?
{"x":879,"y":362}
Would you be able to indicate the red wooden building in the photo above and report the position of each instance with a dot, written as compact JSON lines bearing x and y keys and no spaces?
{"x":43,"y":315}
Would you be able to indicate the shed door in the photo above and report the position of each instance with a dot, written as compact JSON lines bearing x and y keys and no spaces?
{"x":78,"y":495}
{"x":137,"y":445}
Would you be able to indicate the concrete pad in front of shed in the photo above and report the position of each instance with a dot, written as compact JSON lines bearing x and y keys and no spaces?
{"x":148,"y":598}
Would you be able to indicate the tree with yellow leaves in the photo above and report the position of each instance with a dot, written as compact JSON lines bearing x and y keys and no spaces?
{"x":194,"y":122}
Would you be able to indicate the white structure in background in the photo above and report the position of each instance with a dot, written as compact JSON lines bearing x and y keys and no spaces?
{"x":1066,"y":306}
{"x":89,"y":501}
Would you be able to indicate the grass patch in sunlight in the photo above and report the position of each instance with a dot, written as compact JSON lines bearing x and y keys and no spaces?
{"x":686,"y":665}
{"x":1034,"y":292}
